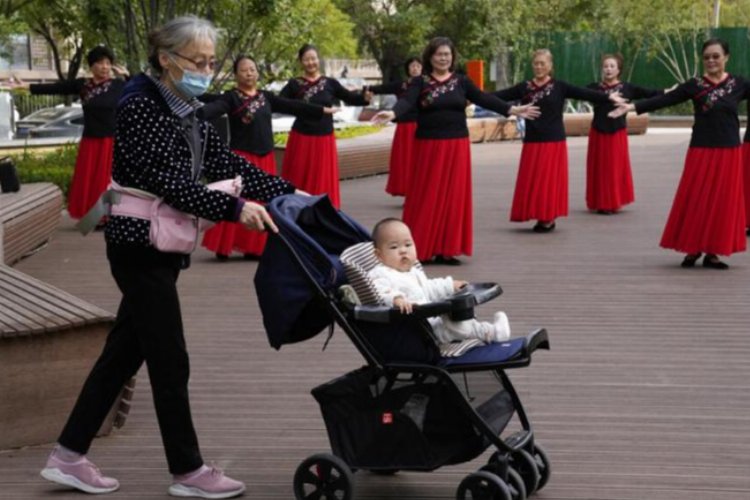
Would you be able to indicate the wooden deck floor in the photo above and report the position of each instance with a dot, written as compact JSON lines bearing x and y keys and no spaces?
{"x":645,"y":394}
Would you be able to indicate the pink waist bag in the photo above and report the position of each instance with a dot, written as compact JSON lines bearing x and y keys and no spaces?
{"x":171,"y":230}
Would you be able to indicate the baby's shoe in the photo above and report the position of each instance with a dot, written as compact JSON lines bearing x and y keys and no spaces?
{"x":80,"y":474}
{"x":206,"y":482}
{"x":502,"y":327}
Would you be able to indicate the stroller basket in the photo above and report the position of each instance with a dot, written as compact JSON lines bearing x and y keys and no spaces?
{"x":404,"y":421}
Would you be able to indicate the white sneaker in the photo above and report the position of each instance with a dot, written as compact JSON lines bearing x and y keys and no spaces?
{"x":502,"y":327}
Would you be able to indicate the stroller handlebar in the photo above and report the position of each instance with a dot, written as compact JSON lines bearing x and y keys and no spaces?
{"x":459,"y":307}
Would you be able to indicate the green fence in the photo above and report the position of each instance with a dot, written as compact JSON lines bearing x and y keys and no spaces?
{"x":577,"y":57}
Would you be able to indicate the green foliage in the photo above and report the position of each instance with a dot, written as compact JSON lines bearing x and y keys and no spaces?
{"x":55,"y":167}
{"x":280,"y":138}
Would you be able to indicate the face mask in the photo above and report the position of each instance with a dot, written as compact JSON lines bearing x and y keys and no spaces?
{"x":191,"y":84}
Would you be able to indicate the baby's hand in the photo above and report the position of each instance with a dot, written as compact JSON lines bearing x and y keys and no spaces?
{"x":403,"y":305}
{"x":459,"y":284}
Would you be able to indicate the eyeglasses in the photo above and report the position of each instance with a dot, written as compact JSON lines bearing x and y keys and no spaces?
{"x":199,"y":65}
{"x":708,"y":57}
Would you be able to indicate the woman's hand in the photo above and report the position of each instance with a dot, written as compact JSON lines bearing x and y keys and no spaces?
{"x":617,"y":98}
{"x":621,"y":109}
{"x":459,"y":284}
{"x":528,"y":111}
{"x":300,"y":192}
{"x":403,"y":305}
{"x":119,"y":70}
{"x":329,"y":110}
{"x":383,"y":117}
{"x":255,"y":217}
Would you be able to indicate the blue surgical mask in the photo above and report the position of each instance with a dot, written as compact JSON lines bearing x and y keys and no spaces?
{"x":192,"y":84}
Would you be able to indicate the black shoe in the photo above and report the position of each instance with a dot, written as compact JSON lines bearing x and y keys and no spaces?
{"x":543,"y":228}
{"x":605,"y":212}
{"x":713,"y":262}
{"x":747,"y":231}
{"x":447,"y":261}
{"x":691,"y":259}
{"x":221,"y":257}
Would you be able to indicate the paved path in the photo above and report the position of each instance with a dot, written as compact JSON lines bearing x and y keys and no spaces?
{"x":645,"y":394}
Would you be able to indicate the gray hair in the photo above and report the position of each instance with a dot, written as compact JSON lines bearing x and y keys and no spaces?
{"x":175,"y":34}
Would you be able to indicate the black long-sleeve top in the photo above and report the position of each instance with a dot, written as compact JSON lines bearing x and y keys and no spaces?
{"x":99,"y":101}
{"x":715,"y":109}
{"x":601,"y":121}
{"x":397,"y":88}
{"x":323,"y":92}
{"x":151,"y":153}
{"x":441,"y":105}
{"x":250,"y":117}
{"x":550,"y":98}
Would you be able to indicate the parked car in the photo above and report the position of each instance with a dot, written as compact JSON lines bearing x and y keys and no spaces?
{"x":62,"y":121}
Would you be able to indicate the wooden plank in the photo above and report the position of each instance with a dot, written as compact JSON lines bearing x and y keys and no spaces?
{"x":644,"y":395}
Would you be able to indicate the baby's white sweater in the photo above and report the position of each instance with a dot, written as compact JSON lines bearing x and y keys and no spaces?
{"x":414,"y":285}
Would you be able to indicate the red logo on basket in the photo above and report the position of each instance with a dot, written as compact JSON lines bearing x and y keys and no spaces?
{"x":387,"y":418}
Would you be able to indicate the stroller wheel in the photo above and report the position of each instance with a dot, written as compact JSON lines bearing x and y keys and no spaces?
{"x":513,"y":479}
{"x":323,"y":476}
{"x":526,"y":466}
{"x":542,"y":465}
{"x":483,"y":485}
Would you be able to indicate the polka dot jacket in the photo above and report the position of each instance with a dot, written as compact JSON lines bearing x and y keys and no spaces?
{"x":152,"y":153}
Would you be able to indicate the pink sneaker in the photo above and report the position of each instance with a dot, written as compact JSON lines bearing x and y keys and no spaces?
{"x":81,"y":475}
{"x":206,"y":482}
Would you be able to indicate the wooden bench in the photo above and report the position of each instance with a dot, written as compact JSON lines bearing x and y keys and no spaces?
{"x":27,"y":219}
{"x":49,"y":341}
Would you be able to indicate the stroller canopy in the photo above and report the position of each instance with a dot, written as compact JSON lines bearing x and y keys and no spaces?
{"x":300,"y":266}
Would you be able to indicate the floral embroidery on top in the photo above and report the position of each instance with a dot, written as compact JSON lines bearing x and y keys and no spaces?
{"x":535,"y":93}
{"x":711,"y":92}
{"x":91,"y":89}
{"x":308,"y":89}
{"x":610,"y":89}
{"x":435,"y":89}
{"x":250,"y":105}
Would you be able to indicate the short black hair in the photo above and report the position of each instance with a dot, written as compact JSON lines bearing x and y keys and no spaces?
{"x":305,"y":48}
{"x":98,"y":53}
{"x":379,"y":228}
{"x":716,"y":41}
{"x":408,"y":63}
{"x":239,"y":59}
{"x":432,"y":47}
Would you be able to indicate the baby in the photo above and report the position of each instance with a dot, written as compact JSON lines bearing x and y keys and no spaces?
{"x":402,"y":285}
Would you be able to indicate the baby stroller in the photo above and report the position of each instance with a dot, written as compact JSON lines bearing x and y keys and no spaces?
{"x":414,"y":406}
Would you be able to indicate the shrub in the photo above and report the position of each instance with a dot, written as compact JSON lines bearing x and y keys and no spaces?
{"x":280,"y":138}
{"x":56,"y":167}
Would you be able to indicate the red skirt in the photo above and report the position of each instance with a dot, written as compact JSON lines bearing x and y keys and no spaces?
{"x":227,"y":236}
{"x":708,"y":212}
{"x":438,"y":204}
{"x":92,"y":175}
{"x":402,"y":159}
{"x":609,"y":181}
{"x":542,"y":183}
{"x":311,"y":163}
{"x":746,"y":161}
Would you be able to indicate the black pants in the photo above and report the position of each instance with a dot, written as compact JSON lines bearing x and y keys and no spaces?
{"x":148,"y":328}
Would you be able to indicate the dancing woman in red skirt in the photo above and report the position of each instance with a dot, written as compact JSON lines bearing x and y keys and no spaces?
{"x":708,"y":212}
{"x":542,"y":185}
{"x":311,"y":160}
{"x":402,"y":150}
{"x":99,"y":96}
{"x":438,"y":205}
{"x":251,"y":136}
{"x":609,"y":180}
{"x":746,"y":176}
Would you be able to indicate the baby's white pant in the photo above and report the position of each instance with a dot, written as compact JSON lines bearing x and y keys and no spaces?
{"x":446,"y":330}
